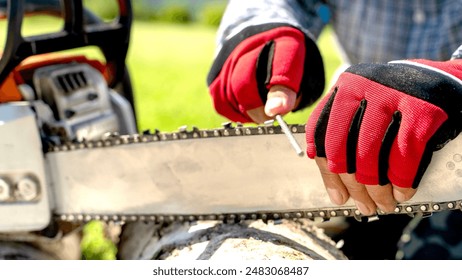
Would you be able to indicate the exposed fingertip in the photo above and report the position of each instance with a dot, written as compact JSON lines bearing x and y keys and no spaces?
{"x":274,"y":106}
{"x":335,"y":188}
{"x":387,"y":208}
{"x":403,"y":194}
{"x":258,"y":115}
{"x":382,"y":195}
{"x":365,"y":209}
{"x":336,"y":196}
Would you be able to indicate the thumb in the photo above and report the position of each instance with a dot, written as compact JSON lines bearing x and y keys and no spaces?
{"x":280,"y":101}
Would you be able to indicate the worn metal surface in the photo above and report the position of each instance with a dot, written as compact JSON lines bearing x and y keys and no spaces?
{"x":231,"y":173}
{"x":24,"y":203}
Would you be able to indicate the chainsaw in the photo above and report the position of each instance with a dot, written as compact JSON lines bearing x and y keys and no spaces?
{"x":70,"y":150}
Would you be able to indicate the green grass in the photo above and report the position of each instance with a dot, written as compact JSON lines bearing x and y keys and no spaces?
{"x":169,"y":65}
{"x":95,"y":246}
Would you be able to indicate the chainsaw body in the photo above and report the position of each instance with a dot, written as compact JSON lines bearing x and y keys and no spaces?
{"x":85,"y":109}
{"x":49,"y":98}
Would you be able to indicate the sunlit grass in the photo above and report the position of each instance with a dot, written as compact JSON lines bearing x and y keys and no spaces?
{"x":169,"y":65}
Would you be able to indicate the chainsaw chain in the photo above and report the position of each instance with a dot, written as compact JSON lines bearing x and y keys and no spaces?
{"x":114,"y":139}
{"x":422,"y":209}
{"x":228,"y":130}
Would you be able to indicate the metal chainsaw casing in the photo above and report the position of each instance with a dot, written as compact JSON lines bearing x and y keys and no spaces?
{"x":63,"y":99}
{"x":83,"y":105}
{"x":24,"y":190}
{"x":78,"y":96}
{"x":26,"y":196}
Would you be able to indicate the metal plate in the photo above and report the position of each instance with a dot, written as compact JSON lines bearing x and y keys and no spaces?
{"x":22,"y":168}
{"x":235,"y":174}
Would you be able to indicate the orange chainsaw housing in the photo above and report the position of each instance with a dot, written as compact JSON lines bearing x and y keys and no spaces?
{"x":9,"y":91}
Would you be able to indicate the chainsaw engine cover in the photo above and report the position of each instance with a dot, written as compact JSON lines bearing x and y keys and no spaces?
{"x":79,"y":98}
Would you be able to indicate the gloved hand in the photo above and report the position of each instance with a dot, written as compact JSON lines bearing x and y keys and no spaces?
{"x":374,"y":134}
{"x":271,"y":56}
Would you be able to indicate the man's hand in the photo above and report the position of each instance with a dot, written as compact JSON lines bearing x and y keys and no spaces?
{"x":265,"y":70}
{"x":280,"y":101}
{"x":373,"y":135}
{"x":367,"y":198}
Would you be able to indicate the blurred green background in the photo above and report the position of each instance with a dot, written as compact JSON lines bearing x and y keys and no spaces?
{"x":171,"y":50}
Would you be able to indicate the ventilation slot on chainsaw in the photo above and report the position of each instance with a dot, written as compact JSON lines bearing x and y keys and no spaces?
{"x":72,"y":81}
{"x":79,"y":98}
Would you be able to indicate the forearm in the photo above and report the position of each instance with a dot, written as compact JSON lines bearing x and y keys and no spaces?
{"x":242,"y":14}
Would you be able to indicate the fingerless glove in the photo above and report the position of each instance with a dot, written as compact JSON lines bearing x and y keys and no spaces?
{"x":383,"y":121}
{"x":258,"y":58}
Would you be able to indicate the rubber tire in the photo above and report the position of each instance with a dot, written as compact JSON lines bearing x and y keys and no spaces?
{"x":22,"y":251}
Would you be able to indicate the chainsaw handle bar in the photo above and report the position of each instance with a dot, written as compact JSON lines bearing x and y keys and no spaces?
{"x":111,"y":38}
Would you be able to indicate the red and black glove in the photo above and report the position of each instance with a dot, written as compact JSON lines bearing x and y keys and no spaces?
{"x":383,"y":121}
{"x":258,"y":58}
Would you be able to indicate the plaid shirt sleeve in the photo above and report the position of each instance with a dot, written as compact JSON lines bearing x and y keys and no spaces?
{"x":380,"y":31}
{"x":367,"y":31}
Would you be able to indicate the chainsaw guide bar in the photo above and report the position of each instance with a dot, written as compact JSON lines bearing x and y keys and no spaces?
{"x":230,"y":174}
